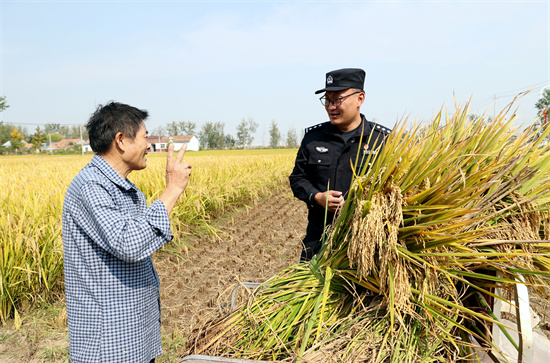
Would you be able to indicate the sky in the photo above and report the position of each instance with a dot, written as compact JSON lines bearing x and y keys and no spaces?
{"x":224,"y":61}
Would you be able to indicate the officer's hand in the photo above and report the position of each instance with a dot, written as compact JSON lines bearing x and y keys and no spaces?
{"x":332,"y":200}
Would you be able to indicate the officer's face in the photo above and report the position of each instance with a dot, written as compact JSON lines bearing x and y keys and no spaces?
{"x":345,"y":113}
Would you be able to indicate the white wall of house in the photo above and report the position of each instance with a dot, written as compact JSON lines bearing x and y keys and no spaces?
{"x":159,"y":146}
{"x":192,"y":145}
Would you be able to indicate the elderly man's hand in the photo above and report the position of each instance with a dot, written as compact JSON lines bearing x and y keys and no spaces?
{"x":331,"y":200}
{"x":177,"y":177}
{"x":177,"y":171}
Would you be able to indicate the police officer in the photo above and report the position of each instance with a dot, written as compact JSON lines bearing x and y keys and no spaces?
{"x":322,"y":172}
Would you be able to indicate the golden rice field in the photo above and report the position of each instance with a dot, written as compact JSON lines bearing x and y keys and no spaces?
{"x":32,"y":189}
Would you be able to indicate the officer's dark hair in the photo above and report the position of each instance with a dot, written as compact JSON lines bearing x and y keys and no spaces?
{"x":111,"y":119}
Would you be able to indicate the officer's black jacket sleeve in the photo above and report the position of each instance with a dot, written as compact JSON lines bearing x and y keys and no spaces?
{"x":302,"y":188}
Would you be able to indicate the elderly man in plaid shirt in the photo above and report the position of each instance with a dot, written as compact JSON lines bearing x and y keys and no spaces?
{"x":109,"y":234}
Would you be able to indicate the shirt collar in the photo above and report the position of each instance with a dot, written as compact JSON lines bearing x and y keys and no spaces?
{"x":111,"y":173}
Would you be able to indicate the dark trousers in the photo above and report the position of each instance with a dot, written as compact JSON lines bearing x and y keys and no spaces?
{"x":310,"y":249}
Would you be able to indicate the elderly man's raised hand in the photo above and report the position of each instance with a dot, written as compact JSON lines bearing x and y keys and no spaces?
{"x":177,"y":171}
{"x":177,"y":177}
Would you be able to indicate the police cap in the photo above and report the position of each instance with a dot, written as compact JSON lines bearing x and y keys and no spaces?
{"x":342,"y":79}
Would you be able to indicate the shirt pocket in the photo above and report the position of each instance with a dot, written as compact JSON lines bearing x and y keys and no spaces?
{"x":319,"y":160}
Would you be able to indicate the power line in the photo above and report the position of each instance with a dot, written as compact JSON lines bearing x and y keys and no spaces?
{"x":37,"y":124}
{"x":486,"y":102}
{"x":515,"y":91}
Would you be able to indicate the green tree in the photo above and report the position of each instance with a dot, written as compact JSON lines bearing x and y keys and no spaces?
{"x":242,"y":133}
{"x":52,"y":128}
{"x":16,"y":139}
{"x":291,"y":138}
{"x":55,"y":137}
{"x":245,"y":131}
{"x":159,"y":131}
{"x":187,"y":127}
{"x":212,"y":136}
{"x":543,"y":103}
{"x":6,"y":129}
{"x":37,"y":138}
{"x":274,"y":134}
{"x":65,"y":131}
{"x":72,"y":132}
{"x":173,"y":128}
{"x":230,"y":141}
{"x":3,"y":104}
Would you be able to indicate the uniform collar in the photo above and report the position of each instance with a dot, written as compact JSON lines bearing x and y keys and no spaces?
{"x":111,"y":173}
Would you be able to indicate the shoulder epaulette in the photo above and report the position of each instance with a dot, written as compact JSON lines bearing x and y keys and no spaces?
{"x":381,"y":128}
{"x":311,"y":128}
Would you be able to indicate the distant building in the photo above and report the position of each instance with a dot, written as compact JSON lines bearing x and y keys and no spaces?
{"x":160,"y":143}
{"x":66,"y":143}
{"x":49,"y":146}
{"x":23,"y":144}
{"x":86,"y":147}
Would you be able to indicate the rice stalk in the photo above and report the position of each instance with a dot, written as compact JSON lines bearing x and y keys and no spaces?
{"x":31,"y":255}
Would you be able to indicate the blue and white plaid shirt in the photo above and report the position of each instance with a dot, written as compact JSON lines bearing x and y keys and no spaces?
{"x":111,"y":286}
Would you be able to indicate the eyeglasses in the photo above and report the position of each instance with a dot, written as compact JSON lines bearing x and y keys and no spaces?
{"x":325,"y":101}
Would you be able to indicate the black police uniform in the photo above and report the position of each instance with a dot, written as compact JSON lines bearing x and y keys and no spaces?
{"x":323,"y":161}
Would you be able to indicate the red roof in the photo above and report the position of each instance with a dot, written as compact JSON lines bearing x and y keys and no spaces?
{"x":186,"y":138}
{"x":66,"y":142}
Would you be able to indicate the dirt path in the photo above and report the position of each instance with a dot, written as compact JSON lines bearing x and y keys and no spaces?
{"x":254,"y":244}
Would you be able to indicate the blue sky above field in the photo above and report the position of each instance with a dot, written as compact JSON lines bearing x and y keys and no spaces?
{"x":229,"y":60}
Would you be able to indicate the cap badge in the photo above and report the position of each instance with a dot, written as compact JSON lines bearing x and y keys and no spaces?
{"x":329,"y":80}
{"x":321,"y":149}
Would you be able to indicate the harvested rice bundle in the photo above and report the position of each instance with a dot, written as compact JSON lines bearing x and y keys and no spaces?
{"x":445,"y":214}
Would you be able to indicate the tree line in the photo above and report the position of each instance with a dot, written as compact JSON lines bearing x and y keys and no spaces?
{"x":211,"y":135}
